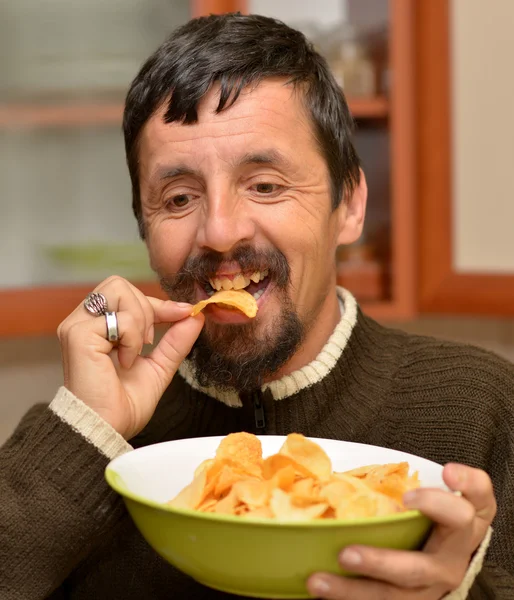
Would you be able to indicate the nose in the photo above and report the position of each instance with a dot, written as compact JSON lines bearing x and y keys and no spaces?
{"x":226,"y":221}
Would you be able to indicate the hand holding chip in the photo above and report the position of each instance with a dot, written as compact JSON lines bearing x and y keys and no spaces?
{"x":461,"y":525}
{"x":119,"y":384}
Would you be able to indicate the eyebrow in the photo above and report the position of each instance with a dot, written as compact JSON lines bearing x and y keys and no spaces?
{"x":266,"y":157}
{"x":170,"y":172}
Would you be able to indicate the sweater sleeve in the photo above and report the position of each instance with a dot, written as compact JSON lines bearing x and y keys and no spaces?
{"x":55,"y":501}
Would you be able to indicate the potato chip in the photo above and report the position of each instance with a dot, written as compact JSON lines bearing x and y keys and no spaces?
{"x":243,"y":448}
{"x":412,"y":482}
{"x":192,"y":495}
{"x":253,"y":493}
{"x":354,"y":483}
{"x":205,"y":465}
{"x":283,"y":478}
{"x":239,"y":299}
{"x":275,"y":463}
{"x":283,"y":508}
{"x":361,"y":472}
{"x":389,"y":479}
{"x":208,"y":504}
{"x":366,"y":504}
{"x":308,"y":454}
{"x":226,"y":505}
{"x":335,"y":490}
{"x":305,"y":492}
{"x":296,"y":484}
{"x":226,"y":478}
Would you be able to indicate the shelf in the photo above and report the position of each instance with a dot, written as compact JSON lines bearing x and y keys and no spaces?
{"x":369,"y":108}
{"x":32,"y":312}
{"x":38,"y":311}
{"x":16,"y":116}
{"x":29,"y":116}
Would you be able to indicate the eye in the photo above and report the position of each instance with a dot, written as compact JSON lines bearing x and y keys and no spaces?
{"x":179,"y":201}
{"x":265,"y":188}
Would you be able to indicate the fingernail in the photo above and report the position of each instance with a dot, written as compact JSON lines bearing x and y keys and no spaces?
{"x":351,"y":557}
{"x":459,"y":473}
{"x":319,"y":585}
{"x":151,"y":334}
{"x":410,"y":497}
{"x":183,"y":304}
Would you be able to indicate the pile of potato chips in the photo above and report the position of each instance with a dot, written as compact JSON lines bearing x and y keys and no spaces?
{"x":296,"y":484}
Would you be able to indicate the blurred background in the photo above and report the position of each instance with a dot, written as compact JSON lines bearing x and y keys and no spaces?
{"x":429,"y":83}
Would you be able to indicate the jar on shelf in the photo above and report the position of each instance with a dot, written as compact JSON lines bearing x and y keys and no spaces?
{"x":352,"y":66}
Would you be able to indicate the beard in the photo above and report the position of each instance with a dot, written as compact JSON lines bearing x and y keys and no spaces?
{"x":239,"y":357}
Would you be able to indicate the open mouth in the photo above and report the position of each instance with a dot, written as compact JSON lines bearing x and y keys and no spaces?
{"x":254,"y":283}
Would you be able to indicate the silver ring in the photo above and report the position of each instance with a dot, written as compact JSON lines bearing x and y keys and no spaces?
{"x":111,"y":320}
{"x":96,"y":304}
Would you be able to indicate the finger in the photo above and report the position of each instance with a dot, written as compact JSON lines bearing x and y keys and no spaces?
{"x":121,"y":297}
{"x":444,"y":508}
{"x":131,"y":339}
{"x":400,"y":568}
{"x":168,"y":311}
{"x":333,"y":587}
{"x":149,"y":315}
{"x":115,"y":284}
{"x":173,"y":347}
{"x":475,"y":485}
{"x":91,"y":335}
{"x":160,"y":311}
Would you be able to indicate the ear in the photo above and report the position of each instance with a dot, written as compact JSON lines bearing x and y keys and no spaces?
{"x":352,"y":213}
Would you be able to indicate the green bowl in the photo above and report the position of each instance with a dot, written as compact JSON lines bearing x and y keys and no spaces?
{"x":255,"y":557}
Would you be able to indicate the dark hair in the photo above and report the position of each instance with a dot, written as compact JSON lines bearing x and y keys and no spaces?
{"x":236,"y":51}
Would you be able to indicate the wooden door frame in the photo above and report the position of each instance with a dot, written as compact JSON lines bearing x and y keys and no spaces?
{"x":403,"y":161}
{"x":441,"y":288}
{"x":206,"y":7}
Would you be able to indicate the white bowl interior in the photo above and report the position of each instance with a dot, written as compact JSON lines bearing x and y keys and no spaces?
{"x":158,"y":472}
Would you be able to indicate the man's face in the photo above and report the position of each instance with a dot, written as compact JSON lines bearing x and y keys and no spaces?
{"x":242,"y":199}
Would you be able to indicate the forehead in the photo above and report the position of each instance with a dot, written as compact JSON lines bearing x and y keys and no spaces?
{"x":270,"y":114}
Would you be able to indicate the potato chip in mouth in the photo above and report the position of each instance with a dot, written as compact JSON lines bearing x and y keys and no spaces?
{"x":233,"y":299}
{"x":296,"y":484}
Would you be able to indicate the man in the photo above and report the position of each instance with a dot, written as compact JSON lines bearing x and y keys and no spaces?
{"x":244,"y":175}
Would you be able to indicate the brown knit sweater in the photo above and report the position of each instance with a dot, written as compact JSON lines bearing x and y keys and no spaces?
{"x":65,"y":534}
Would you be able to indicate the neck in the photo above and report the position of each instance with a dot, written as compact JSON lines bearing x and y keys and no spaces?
{"x":319,"y":331}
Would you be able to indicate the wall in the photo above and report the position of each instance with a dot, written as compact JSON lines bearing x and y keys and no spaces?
{"x":483,"y":122}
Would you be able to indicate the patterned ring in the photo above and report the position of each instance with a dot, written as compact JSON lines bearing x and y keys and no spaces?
{"x":96,"y":304}
{"x":111,"y":321}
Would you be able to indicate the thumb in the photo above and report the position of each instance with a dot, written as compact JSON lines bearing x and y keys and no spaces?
{"x":173,"y":347}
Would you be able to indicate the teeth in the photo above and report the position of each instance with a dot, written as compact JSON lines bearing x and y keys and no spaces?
{"x":226,"y":284}
{"x":258,"y":294}
{"x":215,"y":284}
{"x":239,"y":282}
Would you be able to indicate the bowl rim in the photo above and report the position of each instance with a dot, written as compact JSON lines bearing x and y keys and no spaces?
{"x":113,"y":479}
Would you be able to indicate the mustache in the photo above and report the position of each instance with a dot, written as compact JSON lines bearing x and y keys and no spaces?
{"x":199,"y":269}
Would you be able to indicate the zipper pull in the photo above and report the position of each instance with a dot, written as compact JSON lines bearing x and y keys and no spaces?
{"x":258,"y":408}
